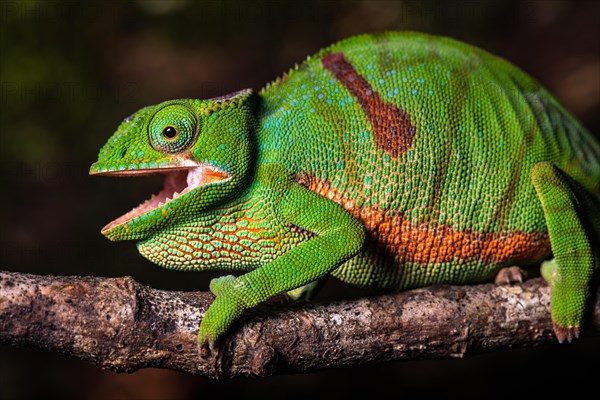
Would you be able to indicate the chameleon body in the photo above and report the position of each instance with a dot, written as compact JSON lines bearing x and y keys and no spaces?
{"x":394,"y":160}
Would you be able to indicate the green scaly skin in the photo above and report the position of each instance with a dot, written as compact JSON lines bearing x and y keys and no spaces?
{"x":395,"y":160}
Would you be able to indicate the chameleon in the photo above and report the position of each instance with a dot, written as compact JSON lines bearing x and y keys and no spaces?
{"x":393,"y":160}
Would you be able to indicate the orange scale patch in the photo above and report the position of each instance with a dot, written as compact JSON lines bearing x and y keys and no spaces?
{"x":427,"y":244}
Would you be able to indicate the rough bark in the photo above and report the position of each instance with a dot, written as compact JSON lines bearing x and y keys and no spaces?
{"x":121,"y":325}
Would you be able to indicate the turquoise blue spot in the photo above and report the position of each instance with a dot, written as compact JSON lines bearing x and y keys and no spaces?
{"x":420,"y":80}
{"x":312,"y":110}
{"x":480,"y":133}
{"x":410,"y":68}
{"x":461,"y":128}
{"x":317,"y":88}
{"x":320,"y":96}
{"x":231,"y":129}
{"x":381,"y":81}
{"x":140,"y":153}
{"x":329,"y":101}
{"x":431,"y":92}
{"x":414,"y":91}
{"x":363,"y":137}
{"x":305,"y":97}
{"x":222,"y":146}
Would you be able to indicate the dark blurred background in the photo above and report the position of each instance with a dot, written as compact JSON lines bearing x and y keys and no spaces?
{"x":70,"y":71}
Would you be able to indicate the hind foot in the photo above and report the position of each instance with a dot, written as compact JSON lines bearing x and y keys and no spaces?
{"x":510,"y":275}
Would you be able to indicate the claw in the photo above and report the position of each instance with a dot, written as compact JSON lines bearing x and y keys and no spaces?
{"x":510,"y":275}
{"x":566,"y":333}
{"x":207,"y":348}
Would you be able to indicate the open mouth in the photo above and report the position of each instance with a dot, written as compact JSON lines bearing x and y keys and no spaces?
{"x":179,"y":181}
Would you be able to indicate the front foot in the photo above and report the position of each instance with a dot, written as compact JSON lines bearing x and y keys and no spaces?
{"x":207,"y":348}
{"x":220,"y":316}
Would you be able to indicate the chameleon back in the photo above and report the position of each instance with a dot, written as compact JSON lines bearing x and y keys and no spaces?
{"x":430,"y":143}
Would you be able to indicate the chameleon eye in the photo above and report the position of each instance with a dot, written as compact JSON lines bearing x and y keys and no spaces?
{"x":173,"y":129}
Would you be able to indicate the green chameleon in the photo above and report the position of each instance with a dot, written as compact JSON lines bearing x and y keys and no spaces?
{"x":393,"y":160}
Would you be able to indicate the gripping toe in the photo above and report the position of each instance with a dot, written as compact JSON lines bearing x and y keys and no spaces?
{"x":566,"y":333}
{"x":510,"y":275}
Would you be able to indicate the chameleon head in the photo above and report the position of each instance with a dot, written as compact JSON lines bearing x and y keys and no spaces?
{"x":203,"y":147}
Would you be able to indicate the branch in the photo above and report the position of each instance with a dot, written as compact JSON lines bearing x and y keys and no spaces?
{"x":123,"y":326}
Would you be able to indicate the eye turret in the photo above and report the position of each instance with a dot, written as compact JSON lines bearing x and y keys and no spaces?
{"x":173,"y":129}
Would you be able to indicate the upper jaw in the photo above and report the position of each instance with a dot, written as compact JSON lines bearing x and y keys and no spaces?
{"x":175,"y":163}
{"x":179,"y":181}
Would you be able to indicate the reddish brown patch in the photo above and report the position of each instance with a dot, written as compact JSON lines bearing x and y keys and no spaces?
{"x":425,"y":244}
{"x":392,"y":127}
{"x":305,"y":232}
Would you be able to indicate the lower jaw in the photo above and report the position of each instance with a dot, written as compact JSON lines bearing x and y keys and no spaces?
{"x":178,"y":182}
